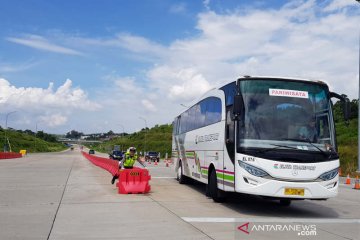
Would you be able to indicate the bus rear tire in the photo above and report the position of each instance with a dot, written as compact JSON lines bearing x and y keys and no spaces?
{"x":180,"y":176}
{"x":216,"y":194}
{"x":285,"y":202}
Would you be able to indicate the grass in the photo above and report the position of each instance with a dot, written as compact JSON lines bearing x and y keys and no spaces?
{"x":19,"y":141}
{"x":347,"y":139}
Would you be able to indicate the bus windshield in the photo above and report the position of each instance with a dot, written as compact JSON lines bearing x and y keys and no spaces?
{"x":283,"y":114}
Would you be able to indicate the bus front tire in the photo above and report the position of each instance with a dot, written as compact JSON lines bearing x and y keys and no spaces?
{"x":216,"y":194}
{"x":180,"y":175}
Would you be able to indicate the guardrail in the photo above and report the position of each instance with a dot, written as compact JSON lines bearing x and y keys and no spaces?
{"x":9,"y":155}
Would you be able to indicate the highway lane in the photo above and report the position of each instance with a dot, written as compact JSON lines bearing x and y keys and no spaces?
{"x":64,"y":196}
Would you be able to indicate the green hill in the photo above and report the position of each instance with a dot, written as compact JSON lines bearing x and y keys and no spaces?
{"x":157,"y":139}
{"x":20,"y":140}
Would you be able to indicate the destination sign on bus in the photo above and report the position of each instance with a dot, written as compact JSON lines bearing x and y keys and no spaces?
{"x":288,"y":93}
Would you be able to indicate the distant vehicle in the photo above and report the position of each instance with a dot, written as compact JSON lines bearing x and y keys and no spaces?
{"x":152,"y":156}
{"x":91,"y":151}
{"x":116,"y":155}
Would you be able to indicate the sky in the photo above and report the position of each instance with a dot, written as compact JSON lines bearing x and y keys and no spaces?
{"x":96,"y":66}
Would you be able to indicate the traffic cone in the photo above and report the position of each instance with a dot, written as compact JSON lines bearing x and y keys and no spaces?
{"x":348,"y":181}
{"x":357,"y":185}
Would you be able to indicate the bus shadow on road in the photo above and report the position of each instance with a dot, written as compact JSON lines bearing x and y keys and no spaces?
{"x":262,"y":206}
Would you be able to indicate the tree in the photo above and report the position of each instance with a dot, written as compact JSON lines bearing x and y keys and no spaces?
{"x":74,"y":134}
{"x":338,"y":110}
{"x":29,"y":132}
{"x":40,"y":134}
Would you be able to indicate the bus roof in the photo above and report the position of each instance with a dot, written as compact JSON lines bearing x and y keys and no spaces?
{"x":283,"y":78}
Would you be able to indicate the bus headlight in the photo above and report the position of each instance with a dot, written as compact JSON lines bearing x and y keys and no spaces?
{"x":253,"y":170}
{"x":329,"y":175}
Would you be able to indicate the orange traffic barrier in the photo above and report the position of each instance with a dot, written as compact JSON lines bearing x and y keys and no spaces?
{"x":357,"y":185}
{"x":348,"y":180}
{"x":134,"y":180}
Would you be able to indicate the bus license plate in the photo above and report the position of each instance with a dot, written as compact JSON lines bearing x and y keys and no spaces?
{"x":295,"y":191}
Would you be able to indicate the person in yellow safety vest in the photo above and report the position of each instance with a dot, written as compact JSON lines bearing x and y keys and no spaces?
{"x":128,"y":161}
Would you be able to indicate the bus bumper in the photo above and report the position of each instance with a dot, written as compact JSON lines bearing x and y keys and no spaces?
{"x":280,"y":189}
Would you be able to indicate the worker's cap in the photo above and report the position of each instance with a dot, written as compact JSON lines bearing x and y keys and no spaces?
{"x":132,"y":149}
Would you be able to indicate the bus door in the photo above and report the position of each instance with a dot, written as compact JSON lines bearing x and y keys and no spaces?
{"x":229,"y":151}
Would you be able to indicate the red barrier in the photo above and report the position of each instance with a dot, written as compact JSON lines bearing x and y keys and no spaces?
{"x":8,"y":155}
{"x":134,"y":180}
{"x":112,"y":166}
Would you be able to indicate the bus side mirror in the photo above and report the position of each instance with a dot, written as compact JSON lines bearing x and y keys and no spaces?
{"x":345,"y":105}
{"x":346,"y":109}
{"x":238,"y":108}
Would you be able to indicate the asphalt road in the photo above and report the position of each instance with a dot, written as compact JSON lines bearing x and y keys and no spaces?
{"x":63,"y":196}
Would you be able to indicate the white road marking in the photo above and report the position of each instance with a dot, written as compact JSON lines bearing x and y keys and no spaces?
{"x":277,"y":220}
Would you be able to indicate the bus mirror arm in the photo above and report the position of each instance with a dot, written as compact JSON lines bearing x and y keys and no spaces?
{"x":346,"y":106}
{"x":238,"y":108}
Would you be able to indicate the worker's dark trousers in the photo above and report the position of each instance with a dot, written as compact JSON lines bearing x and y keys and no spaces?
{"x":117,"y":176}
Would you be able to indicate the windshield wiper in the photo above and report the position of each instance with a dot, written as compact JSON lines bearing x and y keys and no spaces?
{"x":307,"y":140}
{"x":276,"y":147}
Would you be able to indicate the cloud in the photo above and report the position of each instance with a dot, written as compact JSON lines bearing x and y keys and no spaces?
{"x":183,"y":84}
{"x":126,"y":84}
{"x":38,"y":42}
{"x":339,"y":4}
{"x":206,"y":4}
{"x":37,"y":98}
{"x":178,"y":8}
{"x":148,"y":105}
{"x":303,"y":40}
{"x":138,"y":44}
{"x":10,"y":68}
{"x":50,"y":105}
{"x":54,"y":120}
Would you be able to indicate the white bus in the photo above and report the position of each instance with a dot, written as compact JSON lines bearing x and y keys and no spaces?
{"x":265,"y":136}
